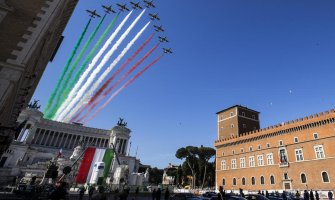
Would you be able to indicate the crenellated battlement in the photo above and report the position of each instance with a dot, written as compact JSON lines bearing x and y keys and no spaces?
{"x":299,"y":124}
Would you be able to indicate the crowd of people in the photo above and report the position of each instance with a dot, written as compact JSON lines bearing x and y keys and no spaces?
{"x":307,"y":195}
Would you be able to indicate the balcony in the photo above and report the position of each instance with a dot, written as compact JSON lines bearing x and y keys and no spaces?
{"x":284,"y":164}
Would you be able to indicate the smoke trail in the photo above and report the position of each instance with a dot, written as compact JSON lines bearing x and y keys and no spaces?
{"x":122,"y":87}
{"x":107,"y":71}
{"x":73,"y":66}
{"x":90,"y":55}
{"x":91,"y":78}
{"x":97,"y":69}
{"x":103,"y":87}
{"x":124,"y":76}
{"x":92,"y":64}
{"x":55,"y":91}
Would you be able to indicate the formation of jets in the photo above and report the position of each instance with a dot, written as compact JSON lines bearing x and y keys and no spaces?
{"x":149,"y":4}
{"x":122,"y":7}
{"x":136,"y":5}
{"x":108,"y":9}
{"x":167,"y":51}
{"x":159,"y":28}
{"x":93,"y":13}
{"x":163,"y":39}
{"x":154,"y":16}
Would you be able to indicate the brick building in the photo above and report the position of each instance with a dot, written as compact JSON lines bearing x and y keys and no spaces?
{"x":295,"y":155}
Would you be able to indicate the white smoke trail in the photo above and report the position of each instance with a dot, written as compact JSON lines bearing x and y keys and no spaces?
{"x":97,"y":70}
{"x":90,"y":67}
{"x":105,"y":73}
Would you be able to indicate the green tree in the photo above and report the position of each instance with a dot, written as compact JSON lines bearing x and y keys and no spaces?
{"x":205,"y":154}
{"x":155,"y":175}
{"x":190,"y":154}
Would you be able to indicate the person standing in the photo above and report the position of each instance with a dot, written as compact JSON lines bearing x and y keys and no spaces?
{"x":59,"y":192}
{"x":317,"y":197}
{"x":330,"y":195}
{"x":297,"y":195}
{"x":222,"y":193}
{"x":153,"y":195}
{"x":167,"y":194}
{"x":100,"y":195}
{"x":306,"y":195}
{"x":266,"y":194}
{"x":311,"y":195}
{"x":158,"y":194}
{"x":81,"y":193}
{"x":90,"y":192}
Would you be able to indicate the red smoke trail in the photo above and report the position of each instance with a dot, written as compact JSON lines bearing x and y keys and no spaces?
{"x":123,"y":86}
{"x":104,"y":86}
{"x":121,"y":79}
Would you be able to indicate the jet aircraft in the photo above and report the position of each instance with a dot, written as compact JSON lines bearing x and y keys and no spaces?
{"x":136,"y":5}
{"x":149,"y":4}
{"x":159,"y":28}
{"x":163,"y":39}
{"x":154,"y":16}
{"x":122,"y":7}
{"x":108,"y":9}
{"x":165,"y":50}
{"x":93,"y":13}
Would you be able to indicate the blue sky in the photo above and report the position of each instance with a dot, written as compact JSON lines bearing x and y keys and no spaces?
{"x":251,"y":53}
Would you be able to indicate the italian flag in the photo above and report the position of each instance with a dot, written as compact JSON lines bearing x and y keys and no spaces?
{"x":90,"y":157}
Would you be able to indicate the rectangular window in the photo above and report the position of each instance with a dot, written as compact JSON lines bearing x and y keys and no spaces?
{"x":253,"y":116}
{"x":232,"y":126}
{"x":268,"y":145}
{"x":223,"y":165}
{"x":233,"y":152}
{"x":242,"y":162}
{"x":298,"y":155}
{"x":231,"y":114}
{"x":251,"y":161}
{"x":242,"y":150}
{"x":260,"y":160}
{"x":233,"y":163}
{"x":315,"y":135}
{"x":250,"y":149}
{"x":259,"y":147}
{"x":281,"y":143}
{"x":269,"y":159}
{"x":296,"y":140}
{"x":243,"y":114}
{"x":319,"y":152}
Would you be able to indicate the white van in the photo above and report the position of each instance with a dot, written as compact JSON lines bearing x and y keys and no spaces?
{"x":98,"y":172}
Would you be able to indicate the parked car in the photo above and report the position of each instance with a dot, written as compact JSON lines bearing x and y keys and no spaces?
{"x":228,"y":196}
{"x":184,"y":196}
{"x":255,"y":197}
{"x":209,"y":196}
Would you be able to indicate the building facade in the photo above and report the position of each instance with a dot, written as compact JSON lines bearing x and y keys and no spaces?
{"x":30,"y":34}
{"x":41,"y":140}
{"x":295,"y":155}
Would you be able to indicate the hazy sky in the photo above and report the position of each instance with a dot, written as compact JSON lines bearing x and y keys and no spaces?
{"x":276,"y":57}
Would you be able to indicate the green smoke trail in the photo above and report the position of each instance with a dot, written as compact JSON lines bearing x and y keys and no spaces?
{"x":55,"y":91}
{"x":72,"y":68}
{"x":88,"y":58}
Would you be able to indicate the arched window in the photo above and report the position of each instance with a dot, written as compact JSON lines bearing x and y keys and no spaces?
{"x":272,"y":180}
{"x":243,"y":181}
{"x":252,"y":180}
{"x":325,"y":177}
{"x":303,"y":178}
{"x":262,"y":180}
{"x":234,"y":181}
{"x":223,"y":181}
